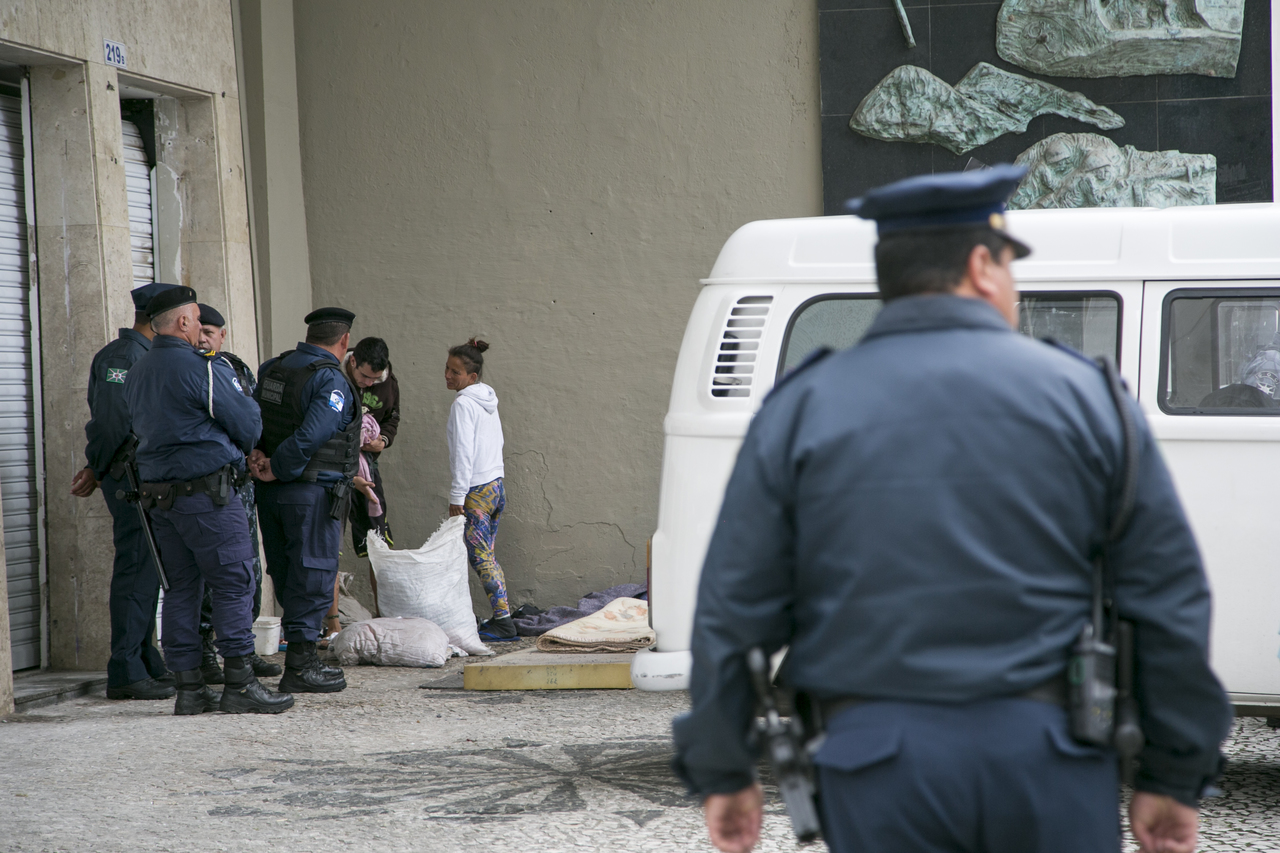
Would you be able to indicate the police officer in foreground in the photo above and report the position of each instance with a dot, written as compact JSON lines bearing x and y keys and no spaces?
{"x":309,"y":452}
{"x":136,"y":669}
{"x":213,"y":335}
{"x":916,"y":517}
{"x":194,"y":427}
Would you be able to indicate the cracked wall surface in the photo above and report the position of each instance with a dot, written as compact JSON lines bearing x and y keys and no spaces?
{"x":555,"y":176}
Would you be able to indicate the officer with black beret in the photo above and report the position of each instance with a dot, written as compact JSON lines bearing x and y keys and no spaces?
{"x":136,"y":669}
{"x":194,"y":427}
{"x":305,"y":462}
{"x":213,"y":335}
{"x":916,"y":518}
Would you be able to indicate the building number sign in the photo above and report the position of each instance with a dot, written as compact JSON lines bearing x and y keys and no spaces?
{"x":114,"y":51}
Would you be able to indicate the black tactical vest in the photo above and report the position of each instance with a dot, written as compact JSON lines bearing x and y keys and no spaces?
{"x":280,"y":399}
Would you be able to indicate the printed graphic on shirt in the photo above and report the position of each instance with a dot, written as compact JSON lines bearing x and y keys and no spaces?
{"x":336,"y":400}
{"x":117,"y":374}
{"x":371,"y":401}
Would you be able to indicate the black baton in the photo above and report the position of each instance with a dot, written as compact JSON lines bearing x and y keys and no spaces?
{"x":133,"y":495}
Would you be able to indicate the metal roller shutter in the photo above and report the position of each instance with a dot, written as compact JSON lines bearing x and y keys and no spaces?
{"x":137,"y":181}
{"x":20,"y":468}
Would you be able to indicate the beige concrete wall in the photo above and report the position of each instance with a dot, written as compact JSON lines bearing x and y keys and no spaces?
{"x":183,"y":49}
{"x":271,"y":110}
{"x":554,"y":175}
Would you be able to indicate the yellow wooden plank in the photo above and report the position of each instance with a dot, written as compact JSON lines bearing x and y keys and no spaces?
{"x":534,"y":670}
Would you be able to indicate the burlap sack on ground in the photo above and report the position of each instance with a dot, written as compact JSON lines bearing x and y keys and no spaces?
{"x":430,"y":583}
{"x":622,"y":625}
{"x":350,"y":611}
{"x":393,"y":642}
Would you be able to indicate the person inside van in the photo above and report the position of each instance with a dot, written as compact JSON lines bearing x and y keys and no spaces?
{"x":1258,"y":386}
{"x":475,"y":460}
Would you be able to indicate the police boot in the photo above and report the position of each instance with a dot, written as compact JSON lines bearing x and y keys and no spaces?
{"x":209,"y":659}
{"x":262,"y":668}
{"x":194,"y":696}
{"x":244,"y":695}
{"x":303,"y":672}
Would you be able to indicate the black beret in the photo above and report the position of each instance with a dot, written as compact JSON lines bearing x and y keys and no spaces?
{"x":142,"y":296}
{"x":209,"y":316}
{"x":173,"y":297}
{"x":947,"y":199}
{"x":329,"y":315}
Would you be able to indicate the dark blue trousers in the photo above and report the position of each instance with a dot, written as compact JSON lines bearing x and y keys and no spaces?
{"x":202,"y":544}
{"x":1000,"y":776}
{"x":301,"y":541}
{"x":135,"y":589}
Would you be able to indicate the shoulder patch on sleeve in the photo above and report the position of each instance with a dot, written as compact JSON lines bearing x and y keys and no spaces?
{"x":337,"y":400}
{"x":809,"y":361}
{"x":117,"y":374}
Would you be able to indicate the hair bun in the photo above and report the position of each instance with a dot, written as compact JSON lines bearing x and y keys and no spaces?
{"x":478,"y":344}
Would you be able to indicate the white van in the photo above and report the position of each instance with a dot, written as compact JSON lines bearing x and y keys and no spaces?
{"x":1183,"y":298}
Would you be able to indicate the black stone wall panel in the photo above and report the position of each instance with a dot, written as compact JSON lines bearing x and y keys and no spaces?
{"x":860,"y":42}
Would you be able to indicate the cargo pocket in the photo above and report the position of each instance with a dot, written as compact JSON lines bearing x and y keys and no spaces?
{"x":1067,"y":746}
{"x":235,"y":553}
{"x":855,"y":749}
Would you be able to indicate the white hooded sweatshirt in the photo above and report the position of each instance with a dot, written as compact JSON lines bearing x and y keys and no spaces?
{"x":475,"y":440}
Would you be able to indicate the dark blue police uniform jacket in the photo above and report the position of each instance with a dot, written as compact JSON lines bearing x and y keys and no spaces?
{"x":915,"y":517}
{"x":328,"y":411}
{"x":183,"y":432}
{"x":135,"y":587}
{"x":299,"y":535}
{"x":192,"y":419}
{"x":108,"y":425}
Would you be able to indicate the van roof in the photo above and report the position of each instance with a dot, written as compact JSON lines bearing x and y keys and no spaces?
{"x":1203,"y":243}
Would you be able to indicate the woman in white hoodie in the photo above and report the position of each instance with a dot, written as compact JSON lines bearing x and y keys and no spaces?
{"x":475,"y":459}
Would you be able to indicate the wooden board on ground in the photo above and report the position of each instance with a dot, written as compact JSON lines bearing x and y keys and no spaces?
{"x":535,"y":670}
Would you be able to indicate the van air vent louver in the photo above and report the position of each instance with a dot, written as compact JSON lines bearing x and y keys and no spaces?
{"x":740,"y":347}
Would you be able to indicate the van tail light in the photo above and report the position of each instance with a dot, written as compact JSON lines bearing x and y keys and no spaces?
{"x":648,"y":576}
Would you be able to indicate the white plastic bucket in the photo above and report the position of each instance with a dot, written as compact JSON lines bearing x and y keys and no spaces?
{"x":266,"y":635}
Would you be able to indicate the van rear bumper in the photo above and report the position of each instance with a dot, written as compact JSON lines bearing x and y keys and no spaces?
{"x":1245,"y":704}
{"x":661,"y":671}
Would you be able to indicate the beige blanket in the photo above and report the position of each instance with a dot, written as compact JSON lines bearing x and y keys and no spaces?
{"x":622,"y":625}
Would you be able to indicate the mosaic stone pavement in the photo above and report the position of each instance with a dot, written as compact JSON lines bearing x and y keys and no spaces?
{"x":386,"y":766}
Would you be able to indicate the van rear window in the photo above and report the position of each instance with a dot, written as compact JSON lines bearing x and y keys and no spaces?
{"x":1089,"y":322}
{"x":837,"y":321}
{"x":1220,"y":352}
{"x":1086,"y":322}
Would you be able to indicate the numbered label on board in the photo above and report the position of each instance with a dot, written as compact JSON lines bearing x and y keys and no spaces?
{"x":114,"y":51}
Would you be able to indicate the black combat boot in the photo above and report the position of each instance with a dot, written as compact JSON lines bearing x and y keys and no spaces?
{"x":244,"y":695}
{"x":194,"y":696}
{"x":209,"y":659}
{"x":262,"y":668}
{"x":303,"y":672}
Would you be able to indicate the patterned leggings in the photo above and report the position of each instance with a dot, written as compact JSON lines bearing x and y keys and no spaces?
{"x":483,"y":506}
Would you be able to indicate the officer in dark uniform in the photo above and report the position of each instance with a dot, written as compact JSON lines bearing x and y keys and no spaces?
{"x":194,"y":427}
{"x":308,"y":454}
{"x":213,"y":335}
{"x":916,"y":518}
{"x":135,"y":663}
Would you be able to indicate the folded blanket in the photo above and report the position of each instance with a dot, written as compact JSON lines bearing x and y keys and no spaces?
{"x":622,"y":625}
{"x":533,"y":626}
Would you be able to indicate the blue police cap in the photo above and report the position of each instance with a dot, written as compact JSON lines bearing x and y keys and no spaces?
{"x":173,"y":296}
{"x":330,"y":315}
{"x":210,"y":316}
{"x":142,"y":296}
{"x":945,"y":200}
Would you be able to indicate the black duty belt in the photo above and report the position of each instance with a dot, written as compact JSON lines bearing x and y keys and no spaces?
{"x":1051,"y":692}
{"x":221,"y":485}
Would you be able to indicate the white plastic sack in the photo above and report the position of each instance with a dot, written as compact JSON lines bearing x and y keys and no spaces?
{"x":392,"y":642}
{"x":429,"y":583}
